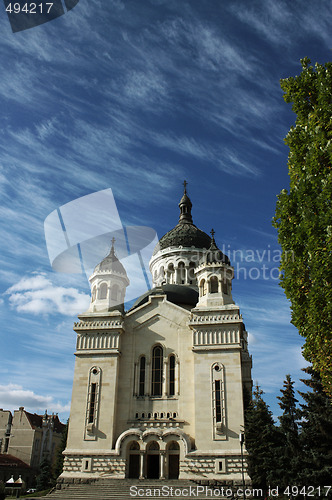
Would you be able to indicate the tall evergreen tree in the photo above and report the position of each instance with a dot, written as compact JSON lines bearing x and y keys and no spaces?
{"x":316,"y":435}
{"x":44,"y":478}
{"x":261,"y":439}
{"x":289,"y":455}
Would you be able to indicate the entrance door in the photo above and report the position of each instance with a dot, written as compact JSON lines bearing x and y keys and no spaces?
{"x":173,"y":466}
{"x":133,"y":472}
{"x":152,"y":466}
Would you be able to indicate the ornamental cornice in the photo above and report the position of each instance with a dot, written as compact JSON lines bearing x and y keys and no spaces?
{"x":213,"y":265}
{"x":215,"y":319}
{"x":105,"y":272}
{"x":98,"y":325}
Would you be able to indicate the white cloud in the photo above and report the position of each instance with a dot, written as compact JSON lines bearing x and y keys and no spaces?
{"x":37,"y":295}
{"x":13,"y":396}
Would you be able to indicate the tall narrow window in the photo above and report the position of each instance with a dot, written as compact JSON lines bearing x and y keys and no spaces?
{"x":217,"y":389}
{"x":181,"y":273}
{"x":114,"y":292}
{"x":103,"y":291}
{"x":214,"y":284}
{"x":92,"y":407}
{"x":218,"y":401}
{"x":157,"y":371}
{"x":92,"y":404}
{"x":141,"y":388}
{"x":191,"y":273}
{"x":172,"y":375}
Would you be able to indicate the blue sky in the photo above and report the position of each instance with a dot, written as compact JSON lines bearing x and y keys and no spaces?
{"x":137,"y":96}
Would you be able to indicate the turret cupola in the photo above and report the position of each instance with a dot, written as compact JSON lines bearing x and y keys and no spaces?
{"x":108,"y":284}
{"x":214,"y":277}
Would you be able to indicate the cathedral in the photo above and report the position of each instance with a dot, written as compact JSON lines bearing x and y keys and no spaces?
{"x":158,"y":390}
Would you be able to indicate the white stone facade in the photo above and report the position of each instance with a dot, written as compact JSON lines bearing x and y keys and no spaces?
{"x":158,"y":390}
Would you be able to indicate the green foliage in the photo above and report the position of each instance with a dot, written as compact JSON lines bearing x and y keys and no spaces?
{"x":316,"y":434}
{"x":304,"y":214}
{"x":44,"y":478}
{"x":58,"y":467}
{"x":261,"y":438}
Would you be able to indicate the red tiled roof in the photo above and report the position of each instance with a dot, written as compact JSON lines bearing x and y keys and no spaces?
{"x":37,"y":421}
{"x":10,"y":461}
{"x":34,"y":419}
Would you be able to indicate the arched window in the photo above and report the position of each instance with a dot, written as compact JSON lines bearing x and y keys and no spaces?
{"x":203,"y":287}
{"x":191,"y":273}
{"x":170,"y":273}
{"x":171,"y":368}
{"x":157,"y":371}
{"x":214,"y":284}
{"x":141,"y":388}
{"x":114,"y":292}
{"x":224,"y":287}
{"x":181,"y":273}
{"x":173,"y":445}
{"x":134,"y":445}
{"x":103,"y":291}
{"x":153,"y":446}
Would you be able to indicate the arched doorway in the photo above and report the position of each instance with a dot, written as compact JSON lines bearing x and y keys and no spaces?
{"x":133,"y":460}
{"x":152,"y":460}
{"x":173,"y":460}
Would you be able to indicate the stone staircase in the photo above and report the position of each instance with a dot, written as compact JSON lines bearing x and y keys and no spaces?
{"x":130,"y":489}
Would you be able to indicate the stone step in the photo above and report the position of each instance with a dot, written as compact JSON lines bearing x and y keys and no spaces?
{"x":131,"y":489}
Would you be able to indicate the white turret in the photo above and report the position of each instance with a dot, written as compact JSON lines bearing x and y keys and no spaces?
{"x":108,"y":283}
{"x":214,"y":278}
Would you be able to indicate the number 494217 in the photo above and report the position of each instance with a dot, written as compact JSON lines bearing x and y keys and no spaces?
{"x":29,"y":8}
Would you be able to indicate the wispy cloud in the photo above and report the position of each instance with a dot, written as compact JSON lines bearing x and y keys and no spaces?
{"x":278,"y":23}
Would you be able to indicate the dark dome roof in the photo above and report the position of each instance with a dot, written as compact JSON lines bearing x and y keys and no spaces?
{"x":111,"y":263}
{"x":186,"y":235}
{"x":177,"y":294}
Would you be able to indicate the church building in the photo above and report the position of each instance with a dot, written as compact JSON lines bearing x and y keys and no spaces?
{"x":158,"y":390}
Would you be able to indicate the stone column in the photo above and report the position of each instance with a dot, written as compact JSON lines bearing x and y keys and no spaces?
{"x":162,"y":464}
{"x":141,"y":465}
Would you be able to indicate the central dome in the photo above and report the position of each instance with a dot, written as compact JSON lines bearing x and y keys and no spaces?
{"x":185,"y":235}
